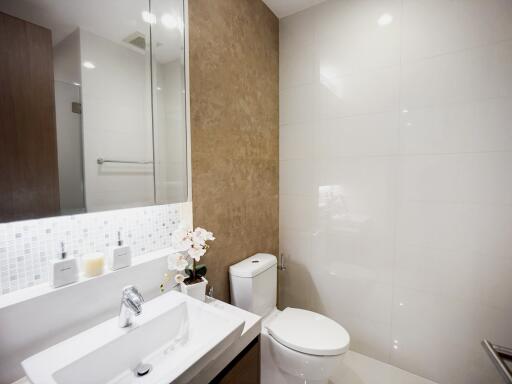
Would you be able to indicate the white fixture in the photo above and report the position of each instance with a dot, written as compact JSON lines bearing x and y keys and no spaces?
{"x":170,"y":21}
{"x":131,"y":306}
{"x":196,"y":290}
{"x":148,"y":17}
{"x":119,"y":256}
{"x":88,"y":65}
{"x":385,"y":19}
{"x":63,"y":271}
{"x":176,"y":336}
{"x":297,"y":346}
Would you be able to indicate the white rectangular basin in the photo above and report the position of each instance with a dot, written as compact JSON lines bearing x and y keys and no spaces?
{"x":177,"y":335}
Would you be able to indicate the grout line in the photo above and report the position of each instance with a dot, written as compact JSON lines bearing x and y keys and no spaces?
{"x":396,"y":199}
{"x":461,"y":50}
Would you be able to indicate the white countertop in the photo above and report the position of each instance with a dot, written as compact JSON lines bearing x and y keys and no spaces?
{"x":252,"y":329}
{"x":25,"y":294}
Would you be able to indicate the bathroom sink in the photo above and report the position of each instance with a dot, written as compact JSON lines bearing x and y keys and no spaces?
{"x":176,"y":335}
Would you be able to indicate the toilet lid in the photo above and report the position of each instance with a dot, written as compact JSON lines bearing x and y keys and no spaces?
{"x":309,"y":332}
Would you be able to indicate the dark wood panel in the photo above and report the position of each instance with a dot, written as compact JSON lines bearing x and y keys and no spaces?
{"x":29,"y":179}
{"x":244,"y":369}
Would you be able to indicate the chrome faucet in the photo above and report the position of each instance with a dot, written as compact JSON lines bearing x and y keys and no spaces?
{"x":131,"y":305}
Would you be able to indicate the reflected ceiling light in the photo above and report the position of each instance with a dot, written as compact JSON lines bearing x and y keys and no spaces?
{"x":169,"y":21}
{"x":88,"y":65}
{"x":395,"y":346}
{"x":148,"y":17}
{"x":385,"y":19}
{"x":75,"y":83}
{"x":158,"y":88}
{"x":330,"y":80}
{"x":405,"y":111}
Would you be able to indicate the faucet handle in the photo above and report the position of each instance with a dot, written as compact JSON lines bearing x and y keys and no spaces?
{"x":131,"y":290}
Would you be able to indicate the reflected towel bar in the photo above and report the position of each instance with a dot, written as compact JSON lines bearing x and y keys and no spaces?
{"x":498,"y":355}
{"x":101,"y":160}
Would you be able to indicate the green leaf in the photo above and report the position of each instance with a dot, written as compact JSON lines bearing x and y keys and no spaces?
{"x":201,"y":270}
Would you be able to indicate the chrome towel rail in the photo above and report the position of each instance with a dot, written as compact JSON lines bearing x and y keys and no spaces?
{"x":101,"y":160}
{"x":498,"y":355}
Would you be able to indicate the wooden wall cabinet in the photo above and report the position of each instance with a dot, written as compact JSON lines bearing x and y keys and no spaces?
{"x":29,"y":175}
{"x":244,"y":369}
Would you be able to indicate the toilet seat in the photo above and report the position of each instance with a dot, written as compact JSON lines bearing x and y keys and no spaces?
{"x":309,"y":332}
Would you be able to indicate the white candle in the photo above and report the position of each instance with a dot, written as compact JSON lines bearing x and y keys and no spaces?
{"x":93,"y":264}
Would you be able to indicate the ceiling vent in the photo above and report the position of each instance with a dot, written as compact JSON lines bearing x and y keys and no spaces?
{"x":137,"y":40}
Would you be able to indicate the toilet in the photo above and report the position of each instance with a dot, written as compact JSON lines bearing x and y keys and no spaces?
{"x":297,"y":346}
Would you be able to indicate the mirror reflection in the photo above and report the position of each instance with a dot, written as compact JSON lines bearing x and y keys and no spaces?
{"x":92,"y":107}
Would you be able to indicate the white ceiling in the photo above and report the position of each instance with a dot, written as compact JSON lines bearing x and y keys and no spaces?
{"x":283,"y":8}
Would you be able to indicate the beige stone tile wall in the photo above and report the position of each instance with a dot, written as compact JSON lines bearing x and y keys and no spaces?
{"x":234,"y":85}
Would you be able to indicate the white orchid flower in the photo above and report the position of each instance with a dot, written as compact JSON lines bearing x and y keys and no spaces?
{"x":179,"y":278}
{"x":203,"y":234}
{"x":186,"y":243}
{"x":196,"y":252}
{"x":177,"y":262}
{"x":181,"y":263}
{"x":181,"y":239}
{"x":198,"y":240}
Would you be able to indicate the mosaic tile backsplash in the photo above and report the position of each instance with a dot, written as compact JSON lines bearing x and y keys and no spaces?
{"x":27,"y":246}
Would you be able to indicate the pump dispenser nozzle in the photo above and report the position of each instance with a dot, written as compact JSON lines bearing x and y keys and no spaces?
{"x":63,"y":253}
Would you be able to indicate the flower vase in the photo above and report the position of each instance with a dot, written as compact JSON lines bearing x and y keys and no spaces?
{"x":197,"y":290}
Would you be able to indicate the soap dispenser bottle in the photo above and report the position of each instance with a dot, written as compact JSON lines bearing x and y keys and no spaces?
{"x":64,"y":270}
{"x":119,"y":256}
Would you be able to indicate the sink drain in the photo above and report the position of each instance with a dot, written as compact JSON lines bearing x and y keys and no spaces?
{"x":143,"y":369}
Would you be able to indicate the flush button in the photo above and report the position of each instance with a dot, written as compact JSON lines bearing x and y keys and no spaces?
{"x":255,"y":261}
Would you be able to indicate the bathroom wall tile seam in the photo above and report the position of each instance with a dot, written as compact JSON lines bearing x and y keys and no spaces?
{"x":457,"y":51}
{"x":445,"y":105}
{"x":27,"y":246}
{"x":397,"y":197}
{"x":454,"y":297}
{"x":400,"y":151}
{"x":367,"y":70}
{"x":473,"y":101}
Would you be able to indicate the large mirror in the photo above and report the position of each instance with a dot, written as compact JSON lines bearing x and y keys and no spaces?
{"x":92,"y":106}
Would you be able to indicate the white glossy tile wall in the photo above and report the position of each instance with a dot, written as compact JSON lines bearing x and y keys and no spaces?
{"x":116,"y":122}
{"x":170,"y":131}
{"x":396,"y":177}
{"x":27,"y":246}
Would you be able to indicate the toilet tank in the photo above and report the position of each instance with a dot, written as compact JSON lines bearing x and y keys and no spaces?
{"x":254,"y":283}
